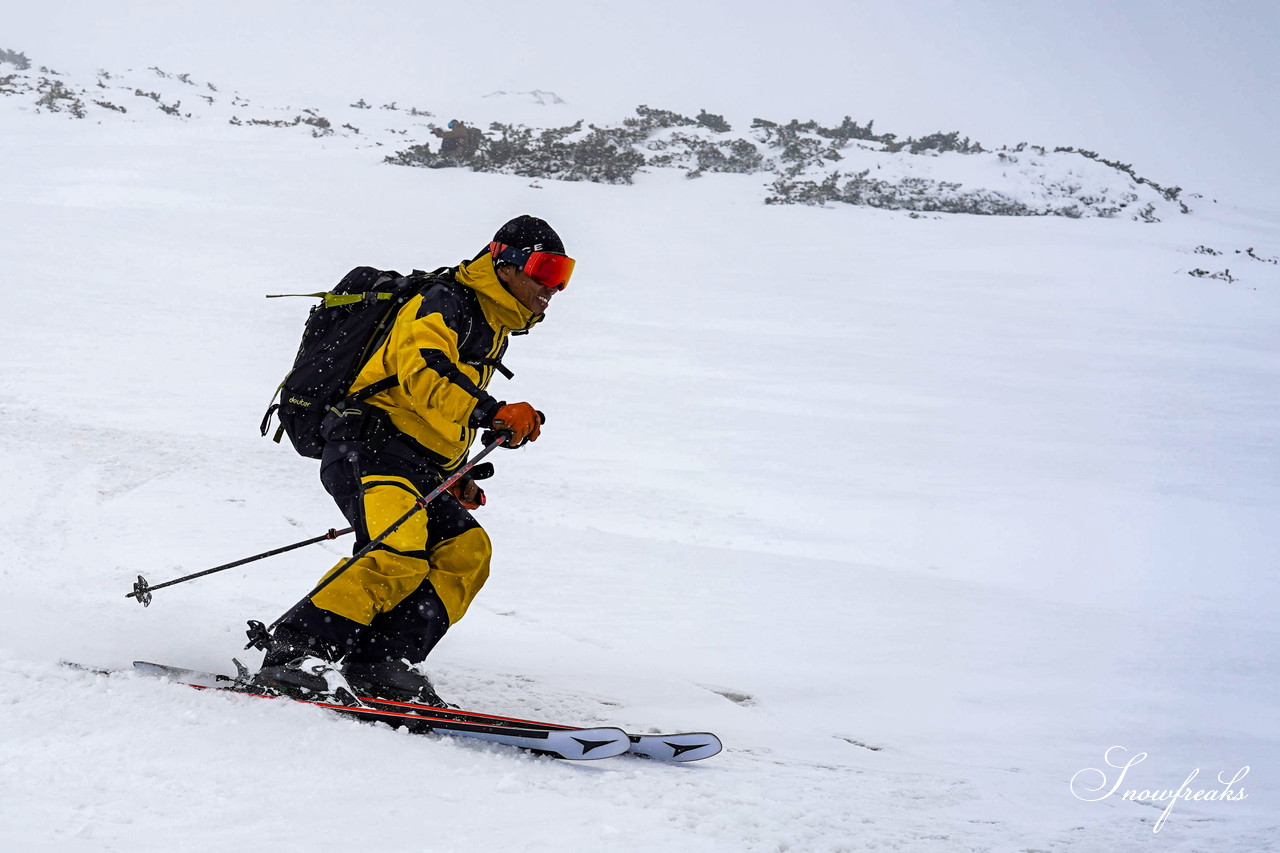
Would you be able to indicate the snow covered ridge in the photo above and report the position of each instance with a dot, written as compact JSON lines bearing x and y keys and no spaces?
{"x":806,"y":162}
{"x":812,"y":164}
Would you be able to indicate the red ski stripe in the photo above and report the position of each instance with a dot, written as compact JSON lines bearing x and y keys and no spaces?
{"x":377,"y":711}
{"x":476,"y":714}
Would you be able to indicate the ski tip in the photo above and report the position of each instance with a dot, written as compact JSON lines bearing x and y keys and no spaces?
{"x":685,"y":746}
{"x":84,"y":667}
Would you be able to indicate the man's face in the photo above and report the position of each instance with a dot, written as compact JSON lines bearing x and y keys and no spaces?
{"x":527,"y":292}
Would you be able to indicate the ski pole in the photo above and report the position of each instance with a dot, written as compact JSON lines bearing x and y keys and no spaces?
{"x":142,"y":590}
{"x":258,"y":635}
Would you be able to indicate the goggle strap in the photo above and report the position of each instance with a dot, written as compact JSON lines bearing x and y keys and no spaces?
{"x":503,"y":252}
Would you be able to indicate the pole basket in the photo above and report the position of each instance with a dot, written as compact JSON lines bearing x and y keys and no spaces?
{"x":142,"y":591}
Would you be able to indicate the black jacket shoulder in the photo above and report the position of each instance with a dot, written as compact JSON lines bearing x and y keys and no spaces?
{"x":460,"y":308}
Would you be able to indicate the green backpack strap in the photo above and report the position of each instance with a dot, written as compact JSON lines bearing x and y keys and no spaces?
{"x":333,"y":300}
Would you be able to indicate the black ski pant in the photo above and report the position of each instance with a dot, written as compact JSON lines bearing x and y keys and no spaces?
{"x":396,"y":602}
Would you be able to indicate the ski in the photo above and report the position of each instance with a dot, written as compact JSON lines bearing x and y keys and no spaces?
{"x":682,"y":746}
{"x":574,"y":744}
{"x":679,"y":747}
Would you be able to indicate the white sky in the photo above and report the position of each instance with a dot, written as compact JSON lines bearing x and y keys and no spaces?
{"x":1187,"y":91}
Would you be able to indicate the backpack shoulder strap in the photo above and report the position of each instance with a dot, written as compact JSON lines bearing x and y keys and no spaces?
{"x":418,"y":281}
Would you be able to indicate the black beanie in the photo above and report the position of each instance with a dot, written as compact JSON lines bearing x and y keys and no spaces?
{"x":529,"y":234}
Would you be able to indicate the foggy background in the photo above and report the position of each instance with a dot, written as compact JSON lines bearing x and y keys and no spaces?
{"x":1184,"y":91}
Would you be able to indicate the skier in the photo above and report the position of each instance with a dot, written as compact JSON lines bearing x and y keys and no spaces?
{"x":375,"y":623}
{"x":456,"y":145}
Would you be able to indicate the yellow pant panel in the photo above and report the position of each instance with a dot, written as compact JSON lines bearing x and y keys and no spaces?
{"x":377,"y":582}
{"x":459,"y":568}
{"x":384,"y":505}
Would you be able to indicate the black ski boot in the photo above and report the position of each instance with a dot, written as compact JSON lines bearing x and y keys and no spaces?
{"x":310,"y":677}
{"x":395,"y":680}
{"x":302,"y":655}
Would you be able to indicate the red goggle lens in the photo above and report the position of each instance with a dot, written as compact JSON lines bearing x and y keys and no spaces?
{"x":549,"y":270}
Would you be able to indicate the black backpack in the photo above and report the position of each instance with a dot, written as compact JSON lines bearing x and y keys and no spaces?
{"x":342,"y":332}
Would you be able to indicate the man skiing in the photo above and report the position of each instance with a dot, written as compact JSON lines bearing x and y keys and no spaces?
{"x":372,"y":625}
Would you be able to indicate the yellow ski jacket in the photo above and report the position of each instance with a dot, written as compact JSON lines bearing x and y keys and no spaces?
{"x":444,"y":347}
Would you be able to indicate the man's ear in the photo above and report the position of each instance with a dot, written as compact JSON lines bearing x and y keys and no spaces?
{"x":506,"y":273}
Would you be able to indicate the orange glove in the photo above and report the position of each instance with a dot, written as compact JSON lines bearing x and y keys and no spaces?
{"x":520,"y":421}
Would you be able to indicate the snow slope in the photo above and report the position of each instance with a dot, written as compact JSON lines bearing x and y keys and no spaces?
{"x":531,"y":134}
{"x":921,"y":515}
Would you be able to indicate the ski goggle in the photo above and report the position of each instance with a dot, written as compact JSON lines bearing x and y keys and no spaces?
{"x":548,"y":269}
